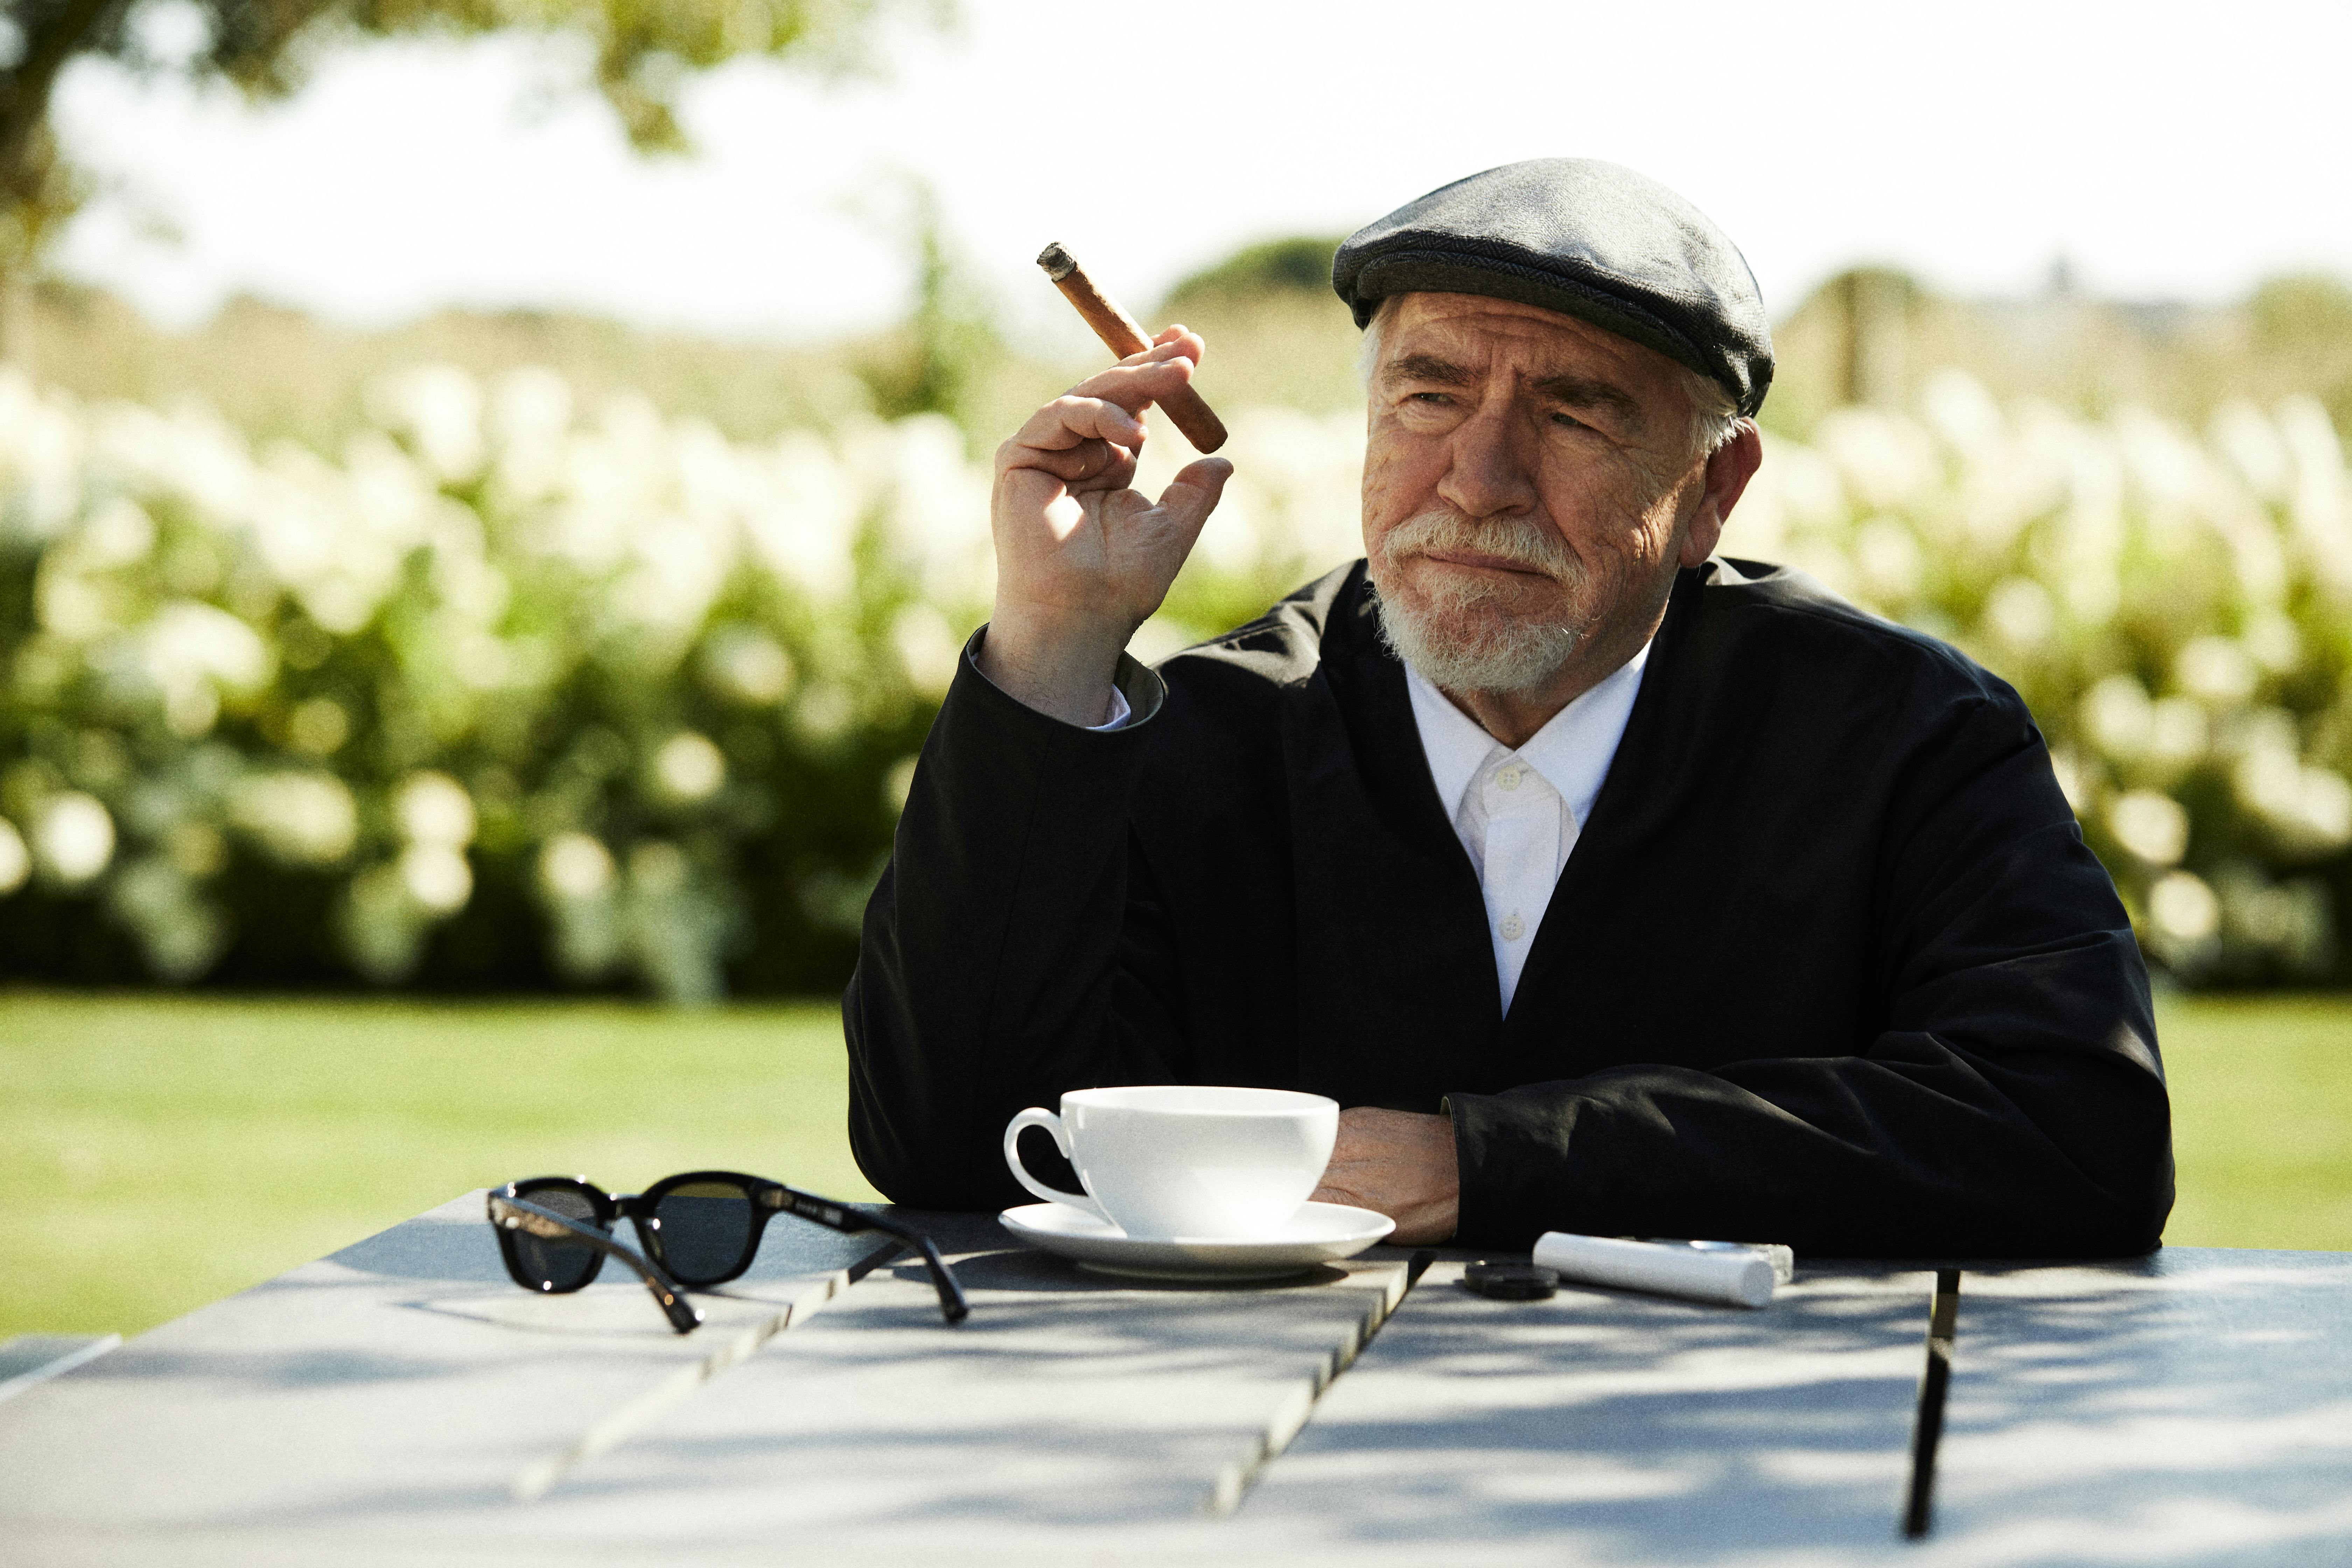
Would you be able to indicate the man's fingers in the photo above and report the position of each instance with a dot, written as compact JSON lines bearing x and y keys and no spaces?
{"x":1073,"y":420}
{"x":1107,"y":406}
{"x":1135,"y":384}
{"x":1087,"y":460}
{"x":1193,"y":494}
{"x":1176,"y":337}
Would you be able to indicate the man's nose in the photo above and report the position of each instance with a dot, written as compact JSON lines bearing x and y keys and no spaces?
{"x":1489,"y":475}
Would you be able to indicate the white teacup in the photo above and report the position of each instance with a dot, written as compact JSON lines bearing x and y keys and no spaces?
{"x":1197,"y":1162}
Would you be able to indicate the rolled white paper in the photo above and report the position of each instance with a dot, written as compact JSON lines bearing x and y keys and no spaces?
{"x":1740,"y":1278}
{"x":1782,"y":1260}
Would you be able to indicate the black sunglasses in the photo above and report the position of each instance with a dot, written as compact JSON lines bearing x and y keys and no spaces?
{"x":699,"y":1229}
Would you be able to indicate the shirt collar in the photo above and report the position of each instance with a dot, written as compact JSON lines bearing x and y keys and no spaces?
{"x":1451,"y":740}
{"x":1572,"y":751}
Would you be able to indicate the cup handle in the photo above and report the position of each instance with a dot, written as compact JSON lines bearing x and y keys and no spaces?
{"x":1034,"y":1116}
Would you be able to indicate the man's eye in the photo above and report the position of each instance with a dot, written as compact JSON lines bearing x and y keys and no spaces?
{"x":1569,"y":421}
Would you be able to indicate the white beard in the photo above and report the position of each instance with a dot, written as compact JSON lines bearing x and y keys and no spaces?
{"x":1446,"y":638}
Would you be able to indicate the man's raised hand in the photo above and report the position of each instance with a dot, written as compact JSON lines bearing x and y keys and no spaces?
{"x":1081,"y":558}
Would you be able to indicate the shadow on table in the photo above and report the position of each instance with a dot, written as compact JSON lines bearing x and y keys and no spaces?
{"x":2188,"y":1407}
{"x":1066,"y":1398}
{"x":2195,"y":1402}
{"x":1617,"y":1426}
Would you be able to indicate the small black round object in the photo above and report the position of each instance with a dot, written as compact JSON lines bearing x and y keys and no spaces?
{"x":1511,"y":1281}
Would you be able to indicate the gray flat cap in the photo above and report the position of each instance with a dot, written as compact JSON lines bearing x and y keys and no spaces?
{"x":1586,"y":238}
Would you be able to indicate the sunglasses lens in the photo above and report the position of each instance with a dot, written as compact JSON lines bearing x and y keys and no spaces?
{"x":701,"y":1230}
{"x":557,"y":1266}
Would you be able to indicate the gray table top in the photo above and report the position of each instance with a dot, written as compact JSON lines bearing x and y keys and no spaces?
{"x":401,"y":1402}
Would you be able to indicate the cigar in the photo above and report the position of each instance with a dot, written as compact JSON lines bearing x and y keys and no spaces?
{"x":1119,"y":333}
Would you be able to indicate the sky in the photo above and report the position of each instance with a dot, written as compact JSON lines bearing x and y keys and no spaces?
{"x":2165,"y":150}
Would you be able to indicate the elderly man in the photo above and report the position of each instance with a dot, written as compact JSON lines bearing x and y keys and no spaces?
{"x":1610,"y":885}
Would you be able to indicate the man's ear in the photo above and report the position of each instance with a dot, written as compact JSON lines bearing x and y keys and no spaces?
{"x":1727,"y":473}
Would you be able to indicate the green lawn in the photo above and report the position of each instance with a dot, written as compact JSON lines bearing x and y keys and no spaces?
{"x":158,"y":1152}
{"x":2262,"y":1121}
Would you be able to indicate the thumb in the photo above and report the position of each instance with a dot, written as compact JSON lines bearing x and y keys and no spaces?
{"x":1193,"y":493}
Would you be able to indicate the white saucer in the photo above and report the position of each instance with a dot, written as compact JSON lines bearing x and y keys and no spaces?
{"x":1321,"y":1233}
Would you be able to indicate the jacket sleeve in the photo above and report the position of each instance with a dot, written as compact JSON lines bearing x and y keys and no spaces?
{"x":2013,"y":1104}
{"x":1007,"y":953}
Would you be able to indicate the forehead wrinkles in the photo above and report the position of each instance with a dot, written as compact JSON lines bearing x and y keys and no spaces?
{"x":1485,"y":335}
{"x":1470,"y":317}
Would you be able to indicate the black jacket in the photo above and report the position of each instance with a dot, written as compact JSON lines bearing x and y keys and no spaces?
{"x":1830,"y":963}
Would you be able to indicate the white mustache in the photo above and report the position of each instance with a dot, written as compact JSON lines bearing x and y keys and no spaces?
{"x":1521,"y":541}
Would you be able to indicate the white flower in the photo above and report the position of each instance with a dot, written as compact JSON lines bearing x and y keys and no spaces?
{"x":2321,"y":496}
{"x":1888,"y":556}
{"x":2310,"y":808}
{"x":2152,"y":827}
{"x":748,"y":665}
{"x":928,"y":647}
{"x":824,"y":713}
{"x":575,"y":865}
{"x":1885,"y":459}
{"x":44,"y":448}
{"x":73,"y":837}
{"x":935,"y":503}
{"x":2273,"y":640}
{"x":435,"y":809}
{"x":2117,"y":716}
{"x":2184,"y":908}
{"x":2021,"y":613}
{"x":2247,"y":437}
{"x":2218,"y":669}
{"x":117,"y":534}
{"x":193,"y":652}
{"x":437,"y":877}
{"x":688,"y":767}
{"x":302,"y":818}
{"x":15,"y":860}
{"x":439,"y":408}
{"x":2178,"y":731}
{"x":1958,"y":408}
{"x":802,"y":516}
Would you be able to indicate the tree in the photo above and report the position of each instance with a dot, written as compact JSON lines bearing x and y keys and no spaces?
{"x":1300,"y":264}
{"x":931,"y":364}
{"x":645,"y":51}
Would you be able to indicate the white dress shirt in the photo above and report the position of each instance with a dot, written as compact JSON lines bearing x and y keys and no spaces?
{"x":1519,"y":813}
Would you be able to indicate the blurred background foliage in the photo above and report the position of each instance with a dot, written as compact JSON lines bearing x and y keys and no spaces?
{"x":636,"y":57}
{"x":525,"y":651}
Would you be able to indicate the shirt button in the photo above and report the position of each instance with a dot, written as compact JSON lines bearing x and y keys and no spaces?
{"x":1509,"y":777}
{"x":1514,"y":928}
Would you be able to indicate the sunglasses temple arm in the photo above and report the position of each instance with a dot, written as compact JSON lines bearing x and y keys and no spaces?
{"x":953,"y":1306}
{"x":666,"y":1293}
{"x":843,"y":1217}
